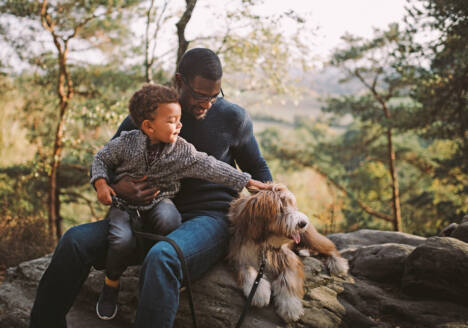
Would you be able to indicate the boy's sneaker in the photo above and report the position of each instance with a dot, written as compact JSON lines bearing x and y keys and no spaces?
{"x":106,"y":307}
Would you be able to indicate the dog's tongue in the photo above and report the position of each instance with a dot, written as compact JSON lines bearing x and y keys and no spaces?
{"x":296,"y":237}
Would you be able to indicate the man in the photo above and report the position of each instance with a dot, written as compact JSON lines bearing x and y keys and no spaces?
{"x":212,"y":125}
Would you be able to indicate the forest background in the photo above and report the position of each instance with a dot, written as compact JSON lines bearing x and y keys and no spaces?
{"x":375,"y":138}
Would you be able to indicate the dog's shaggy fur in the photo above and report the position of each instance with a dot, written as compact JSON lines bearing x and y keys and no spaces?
{"x":269,"y":223}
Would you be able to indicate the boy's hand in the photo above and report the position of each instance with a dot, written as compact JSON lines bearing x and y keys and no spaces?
{"x":255,"y":185}
{"x":104,"y":192}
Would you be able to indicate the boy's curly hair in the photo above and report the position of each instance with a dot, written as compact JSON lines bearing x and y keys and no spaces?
{"x":145,"y":101}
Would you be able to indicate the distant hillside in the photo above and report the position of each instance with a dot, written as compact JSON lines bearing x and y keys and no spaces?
{"x":280,"y":110}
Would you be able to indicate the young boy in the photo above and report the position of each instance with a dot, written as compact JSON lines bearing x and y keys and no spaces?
{"x":154,"y":151}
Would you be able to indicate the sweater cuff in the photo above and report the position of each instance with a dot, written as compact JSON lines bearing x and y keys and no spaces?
{"x":99,"y":176}
{"x":242,"y":182}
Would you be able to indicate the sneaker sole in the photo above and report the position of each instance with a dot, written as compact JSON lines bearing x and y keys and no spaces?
{"x":106,"y":317}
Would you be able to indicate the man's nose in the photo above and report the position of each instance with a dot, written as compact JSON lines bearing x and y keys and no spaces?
{"x":206,"y":104}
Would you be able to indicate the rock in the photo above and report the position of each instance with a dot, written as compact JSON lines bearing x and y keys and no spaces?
{"x":461,"y":232}
{"x":366,"y":237}
{"x":464,"y":219}
{"x":447,"y":231}
{"x":438,"y":269}
{"x":371,"y":296}
{"x":383,"y":262}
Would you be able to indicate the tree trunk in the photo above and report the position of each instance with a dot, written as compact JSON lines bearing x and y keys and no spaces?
{"x":55,"y":224}
{"x":64,"y":80}
{"x":395,"y":188}
{"x":181,"y":25}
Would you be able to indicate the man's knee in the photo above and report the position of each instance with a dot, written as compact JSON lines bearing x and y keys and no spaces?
{"x":73,"y":238}
{"x":162,"y":256}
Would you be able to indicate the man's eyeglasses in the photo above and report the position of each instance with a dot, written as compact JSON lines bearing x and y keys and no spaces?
{"x":199,"y":97}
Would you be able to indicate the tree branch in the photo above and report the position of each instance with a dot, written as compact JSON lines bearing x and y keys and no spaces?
{"x":181,"y":25}
{"x":366,"y":208}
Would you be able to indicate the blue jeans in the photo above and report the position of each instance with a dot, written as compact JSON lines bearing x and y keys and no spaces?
{"x":202,"y":239}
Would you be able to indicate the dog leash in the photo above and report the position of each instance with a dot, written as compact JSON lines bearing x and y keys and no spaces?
{"x":135,"y":214}
{"x":253,"y":290}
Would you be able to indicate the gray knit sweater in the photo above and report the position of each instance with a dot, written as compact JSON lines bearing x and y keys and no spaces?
{"x":127,"y":155}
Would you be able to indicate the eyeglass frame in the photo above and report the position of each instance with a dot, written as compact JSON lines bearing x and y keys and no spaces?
{"x":200,"y":97}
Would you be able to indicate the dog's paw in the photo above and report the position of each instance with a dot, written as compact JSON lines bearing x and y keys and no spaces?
{"x":338,"y":266}
{"x":263,"y":294}
{"x":304,"y":252}
{"x":289,"y":309}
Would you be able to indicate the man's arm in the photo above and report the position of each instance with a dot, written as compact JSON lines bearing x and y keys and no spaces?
{"x":247,"y":153}
{"x":126,"y":125}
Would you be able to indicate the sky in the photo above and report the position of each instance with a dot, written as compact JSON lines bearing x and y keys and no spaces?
{"x":330,"y":19}
{"x":333,"y":18}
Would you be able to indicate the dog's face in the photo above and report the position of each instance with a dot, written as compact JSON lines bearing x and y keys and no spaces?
{"x":268,"y":216}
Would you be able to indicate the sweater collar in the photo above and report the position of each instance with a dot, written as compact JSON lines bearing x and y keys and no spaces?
{"x":144,"y":140}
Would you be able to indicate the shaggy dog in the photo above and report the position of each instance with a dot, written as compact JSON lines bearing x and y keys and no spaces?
{"x":268,"y":224}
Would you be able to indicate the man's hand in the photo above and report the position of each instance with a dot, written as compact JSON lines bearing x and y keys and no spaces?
{"x":255,"y":185}
{"x":135,"y":191}
{"x":104,"y":192}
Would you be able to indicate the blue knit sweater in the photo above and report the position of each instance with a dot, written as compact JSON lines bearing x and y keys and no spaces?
{"x":225,"y":133}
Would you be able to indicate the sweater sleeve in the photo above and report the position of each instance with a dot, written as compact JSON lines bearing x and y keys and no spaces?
{"x":202,"y":166}
{"x":247,"y":153}
{"x":107,"y":159}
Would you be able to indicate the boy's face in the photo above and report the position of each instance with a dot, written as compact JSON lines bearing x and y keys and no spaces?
{"x":197,"y":95}
{"x":165,"y":126}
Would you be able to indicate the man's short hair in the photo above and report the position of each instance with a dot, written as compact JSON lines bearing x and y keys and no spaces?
{"x":145,"y":101}
{"x":200,"y":62}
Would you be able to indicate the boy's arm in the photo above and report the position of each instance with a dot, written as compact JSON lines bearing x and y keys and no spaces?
{"x":106,"y":160}
{"x":137,"y":191}
{"x":202,"y":166}
{"x":126,"y":125}
{"x":104,"y":191}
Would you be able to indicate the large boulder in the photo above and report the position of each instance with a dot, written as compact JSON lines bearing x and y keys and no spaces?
{"x":384,"y":262}
{"x":371,"y":296}
{"x":367,"y":237}
{"x":438,"y":268}
{"x":461,"y":232}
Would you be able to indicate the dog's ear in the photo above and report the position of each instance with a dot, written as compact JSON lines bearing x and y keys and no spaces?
{"x":251,"y":217}
{"x":263,"y":210}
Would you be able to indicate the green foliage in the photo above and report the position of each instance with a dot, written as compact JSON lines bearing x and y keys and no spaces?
{"x":355,"y":160}
{"x":441,"y":88}
{"x":23,"y":190}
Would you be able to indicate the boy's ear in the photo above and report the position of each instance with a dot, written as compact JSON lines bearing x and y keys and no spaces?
{"x":145,"y":126}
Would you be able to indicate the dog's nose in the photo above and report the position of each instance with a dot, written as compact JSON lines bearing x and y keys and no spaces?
{"x":302,"y":224}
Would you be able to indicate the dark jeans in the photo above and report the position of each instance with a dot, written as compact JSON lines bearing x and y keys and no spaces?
{"x":160,"y":219}
{"x":202,"y":239}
